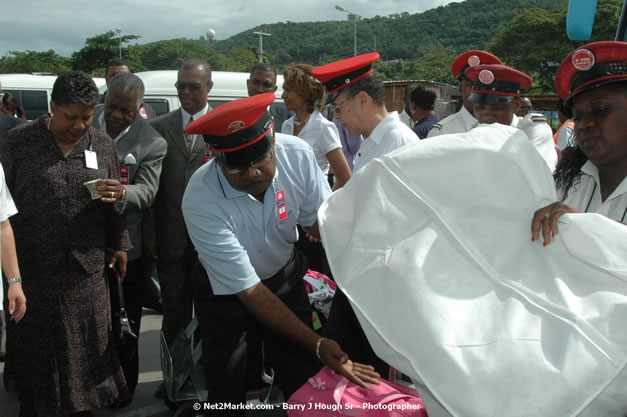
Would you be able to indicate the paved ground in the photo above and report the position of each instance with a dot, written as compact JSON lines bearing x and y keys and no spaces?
{"x":145,"y":404}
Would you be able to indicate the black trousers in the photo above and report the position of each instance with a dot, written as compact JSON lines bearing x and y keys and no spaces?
{"x":133,"y":286}
{"x":176,"y":291}
{"x":225,"y":324}
{"x":343,"y":327}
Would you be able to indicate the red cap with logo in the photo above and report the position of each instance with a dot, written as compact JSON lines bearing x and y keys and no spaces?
{"x":591,"y":66}
{"x":496,"y":84}
{"x":340,"y":74}
{"x":472,"y":59}
{"x":238,"y":131}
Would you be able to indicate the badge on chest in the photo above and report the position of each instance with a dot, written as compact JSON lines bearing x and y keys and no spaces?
{"x":124,"y":173}
{"x":281,"y":207}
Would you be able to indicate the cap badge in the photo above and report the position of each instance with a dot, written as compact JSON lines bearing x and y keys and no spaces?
{"x":474,"y":60}
{"x":486,"y":77}
{"x":236,"y":126}
{"x":583,"y":59}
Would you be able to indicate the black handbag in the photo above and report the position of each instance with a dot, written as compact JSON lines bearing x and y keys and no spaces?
{"x":122,"y":332}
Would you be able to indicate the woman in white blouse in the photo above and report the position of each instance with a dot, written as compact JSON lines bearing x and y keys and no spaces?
{"x":305,"y":97}
{"x":591,"y":176}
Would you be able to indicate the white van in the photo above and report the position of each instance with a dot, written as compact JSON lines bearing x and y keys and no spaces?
{"x":33,"y":91}
{"x":162,"y":96}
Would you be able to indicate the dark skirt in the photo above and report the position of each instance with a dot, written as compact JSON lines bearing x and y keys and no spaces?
{"x":67,"y":360}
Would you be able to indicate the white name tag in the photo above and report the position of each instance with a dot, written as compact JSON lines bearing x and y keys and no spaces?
{"x":91,"y":160}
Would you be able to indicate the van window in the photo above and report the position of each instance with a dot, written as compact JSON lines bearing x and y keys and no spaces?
{"x":160,"y":106}
{"x":34,"y":102}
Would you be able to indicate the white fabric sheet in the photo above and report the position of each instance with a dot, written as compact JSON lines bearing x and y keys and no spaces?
{"x":432,"y":245}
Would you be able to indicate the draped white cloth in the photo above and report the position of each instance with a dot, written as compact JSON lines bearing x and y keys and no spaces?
{"x":432,"y":245}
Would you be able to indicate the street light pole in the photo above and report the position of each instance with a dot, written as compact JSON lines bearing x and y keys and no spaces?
{"x":119,"y":32}
{"x":354,"y":17}
{"x":261,"y":35}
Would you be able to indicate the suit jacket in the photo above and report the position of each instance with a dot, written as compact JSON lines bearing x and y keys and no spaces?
{"x":178,"y":167}
{"x":279,"y":114}
{"x":8,"y":122}
{"x":141,"y":150}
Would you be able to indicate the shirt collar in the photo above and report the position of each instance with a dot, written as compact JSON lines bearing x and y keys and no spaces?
{"x":103,"y":127}
{"x":185,"y":116}
{"x":469,"y":119}
{"x":380,"y":131}
{"x":590,"y":169}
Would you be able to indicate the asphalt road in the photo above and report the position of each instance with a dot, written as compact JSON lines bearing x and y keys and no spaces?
{"x":144,"y":404}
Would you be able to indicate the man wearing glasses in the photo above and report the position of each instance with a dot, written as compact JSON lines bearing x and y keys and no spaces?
{"x":241,"y":211}
{"x":357,"y":95}
{"x":186,"y":153}
{"x":7,"y":122}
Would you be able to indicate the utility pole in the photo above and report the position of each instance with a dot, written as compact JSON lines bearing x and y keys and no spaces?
{"x":354,"y":17}
{"x":119,"y":32}
{"x":261,"y":35}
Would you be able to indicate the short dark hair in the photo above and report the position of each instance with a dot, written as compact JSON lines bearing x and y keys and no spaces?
{"x":371,"y":84}
{"x":128,"y":83}
{"x":194,"y":63}
{"x":423,"y":98}
{"x":263,"y":66}
{"x":116,"y":62}
{"x":75,"y":87}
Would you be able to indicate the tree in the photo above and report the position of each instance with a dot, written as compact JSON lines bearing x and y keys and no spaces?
{"x":32,"y":61}
{"x":98,"y":51}
{"x":535,"y":41}
{"x":170,"y":54}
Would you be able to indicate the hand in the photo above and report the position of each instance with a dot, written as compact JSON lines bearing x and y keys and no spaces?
{"x":110,"y":190}
{"x":332,"y":355}
{"x":17,"y":301}
{"x":545,"y":221}
{"x":119,"y":257}
{"x":313,"y":238}
{"x":150,"y":252}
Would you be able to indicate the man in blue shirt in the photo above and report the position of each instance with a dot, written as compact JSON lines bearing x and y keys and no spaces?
{"x":241,"y":211}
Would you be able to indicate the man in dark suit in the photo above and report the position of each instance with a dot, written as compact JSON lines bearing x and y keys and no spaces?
{"x":186,"y":153}
{"x":7,"y":122}
{"x":141,"y":150}
{"x":263,"y":80}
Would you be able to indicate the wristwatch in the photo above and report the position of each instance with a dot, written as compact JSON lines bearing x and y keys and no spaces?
{"x":14,"y":280}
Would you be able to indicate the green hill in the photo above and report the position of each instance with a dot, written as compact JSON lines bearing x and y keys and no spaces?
{"x":446,"y":30}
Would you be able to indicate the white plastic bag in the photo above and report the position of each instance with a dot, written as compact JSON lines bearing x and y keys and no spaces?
{"x":432,"y":245}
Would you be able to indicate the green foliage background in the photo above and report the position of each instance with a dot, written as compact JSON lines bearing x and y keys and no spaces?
{"x":529,"y":35}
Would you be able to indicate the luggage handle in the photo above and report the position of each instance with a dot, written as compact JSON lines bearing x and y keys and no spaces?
{"x":338,"y":394}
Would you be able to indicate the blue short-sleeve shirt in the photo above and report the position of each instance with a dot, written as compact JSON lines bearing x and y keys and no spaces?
{"x":240,"y":240}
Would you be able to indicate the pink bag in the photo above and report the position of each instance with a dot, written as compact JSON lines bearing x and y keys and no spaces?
{"x":328,"y":394}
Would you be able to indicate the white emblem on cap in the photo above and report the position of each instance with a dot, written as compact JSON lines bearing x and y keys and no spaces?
{"x":583,"y":59}
{"x":473,"y":60}
{"x":486,"y":77}
{"x":236,"y":126}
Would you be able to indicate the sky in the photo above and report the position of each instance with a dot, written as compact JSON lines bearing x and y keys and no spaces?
{"x":63,"y":25}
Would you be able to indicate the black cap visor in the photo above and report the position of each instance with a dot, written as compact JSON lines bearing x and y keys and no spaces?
{"x":248,"y":155}
{"x":481,"y":98}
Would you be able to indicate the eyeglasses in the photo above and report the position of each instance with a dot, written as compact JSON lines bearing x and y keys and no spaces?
{"x":336,"y":107}
{"x":190,"y":86}
{"x":257,"y":165}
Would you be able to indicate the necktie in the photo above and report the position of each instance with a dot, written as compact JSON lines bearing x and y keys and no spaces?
{"x":189,"y":139}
